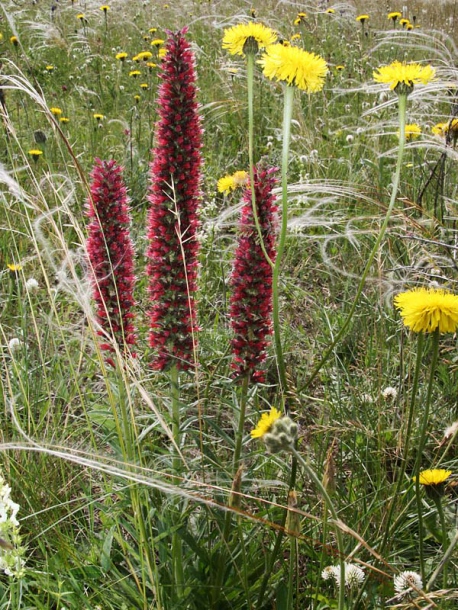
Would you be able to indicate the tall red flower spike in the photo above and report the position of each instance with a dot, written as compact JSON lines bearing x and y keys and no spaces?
{"x":251,"y":279}
{"x":173,"y":214}
{"x":111,"y":254}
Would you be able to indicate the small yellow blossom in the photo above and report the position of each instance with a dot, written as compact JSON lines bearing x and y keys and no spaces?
{"x":428,"y":309}
{"x":157,"y":42}
{"x":294,"y":66}
{"x":404,"y":22}
{"x":152,"y":30}
{"x":248,"y":37}
{"x":121,"y":56}
{"x":137,"y":98}
{"x":394,"y":15}
{"x":98,"y":117}
{"x":151,"y":65}
{"x":64,"y":119}
{"x":440,"y":129}
{"x":339,"y":68}
{"x":404,"y":75}
{"x":144,"y":85}
{"x":362,"y":18}
{"x":49,"y":68}
{"x":435,"y":476}
{"x":14,"y":40}
{"x":231,"y":182}
{"x":330,"y":11}
{"x":162,"y":53}
{"x":265,"y":423}
{"x":301,"y":17}
{"x":295,"y":37}
{"x":81,"y":16}
{"x":134,"y":73}
{"x":104,"y":8}
{"x":412,"y":131}
{"x":14,"y":268}
{"x":55,"y":111}
{"x":144,"y":55}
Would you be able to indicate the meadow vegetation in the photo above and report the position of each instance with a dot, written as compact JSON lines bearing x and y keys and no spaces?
{"x":129,"y":484}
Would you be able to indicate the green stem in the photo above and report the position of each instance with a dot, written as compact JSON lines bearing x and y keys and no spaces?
{"x":250,"y":81}
{"x":447,"y":555}
{"x":177,"y":550}
{"x":330,"y":505}
{"x":402,"y":103}
{"x":440,"y":511}
{"x":286,"y":136}
{"x":402,"y":469}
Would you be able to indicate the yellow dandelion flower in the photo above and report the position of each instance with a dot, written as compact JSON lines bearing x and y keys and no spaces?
{"x":403,"y":75}
{"x":428,"y":309}
{"x":98,"y":117}
{"x":49,"y":68}
{"x":453,"y":126}
{"x":152,"y":30}
{"x":412,"y":131}
{"x":162,"y":53}
{"x":151,"y":65}
{"x":134,"y":73}
{"x":64,"y":119}
{"x":295,"y":66}
{"x":404,"y":22}
{"x":104,"y":8}
{"x":394,"y":15}
{"x":295,"y":37}
{"x":301,"y":17}
{"x":35,"y":153}
{"x":436,"y":476}
{"x":144,"y":85}
{"x":409,"y":27}
{"x":81,"y":16}
{"x":121,"y":56}
{"x":144,"y":55}
{"x":362,"y":18}
{"x":231,"y":182}
{"x":440,"y":129}
{"x":265,"y":423}
{"x":330,"y":11}
{"x":55,"y":111}
{"x":248,"y":38}
{"x":14,"y":40}
{"x":157,"y":42}
{"x":14,"y":268}
{"x":340,"y":68}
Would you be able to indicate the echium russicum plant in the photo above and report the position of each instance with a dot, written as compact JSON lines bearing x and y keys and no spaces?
{"x":111,"y":254}
{"x":173,"y":214}
{"x":251,"y":279}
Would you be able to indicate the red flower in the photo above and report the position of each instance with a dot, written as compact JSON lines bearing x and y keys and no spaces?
{"x":111,"y":254}
{"x":173,"y":215}
{"x":251,"y":279}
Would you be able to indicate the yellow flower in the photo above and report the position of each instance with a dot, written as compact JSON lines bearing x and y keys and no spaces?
{"x":395,"y":15}
{"x":64,"y":119}
{"x":121,"y":56}
{"x":35,"y":153}
{"x":49,"y":68}
{"x":152,"y":30}
{"x":231,"y":182}
{"x":412,"y":131}
{"x":134,"y":73}
{"x":404,"y":22}
{"x":404,"y":75}
{"x":105,"y":8}
{"x":433,"y":477}
{"x":14,"y":41}
{"x":265,"y":423}
{"x":137,"y":98}
{"x":340,"y":68}
{"x":151,"y":65}
{"x":295,"y":37}
{"x":98,"y":117}
{"x":144,"y":55}
{"x":295,"y":66}
{"x":14,"y":268}
{"x":80,"y":16}
{"x":362,"y":18}
{"x":301,"y":17}
{"x":409,"y":26}
{"x":144,"y":85}
{"x":55,"y":111}
{"x":157,"y":42}
{"x":248,"y":37}
{"x":440,"y":129}
{"x":428,"y":309}
{"x":162,"y":53}
{"x":330,"y":11}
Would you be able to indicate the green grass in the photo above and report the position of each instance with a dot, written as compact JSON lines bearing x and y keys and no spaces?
{"x":88,"y":450}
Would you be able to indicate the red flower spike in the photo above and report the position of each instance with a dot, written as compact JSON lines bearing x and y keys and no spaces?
{"x":111,"y":254}
{"x":251,"y":279}
{"x":173,"y":214}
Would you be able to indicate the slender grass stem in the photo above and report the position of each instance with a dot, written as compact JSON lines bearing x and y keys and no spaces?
{"x":177,"y":549}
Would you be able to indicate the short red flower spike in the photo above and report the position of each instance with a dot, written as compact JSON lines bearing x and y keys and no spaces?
{"x":251,"y":279}
{"x":111,"y":254}
{"x":173,"y":214}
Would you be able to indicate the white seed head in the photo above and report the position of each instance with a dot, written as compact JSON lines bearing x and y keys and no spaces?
{"x":32,"y":285}
{"x":451,"y":430}
{"x":14,"y":344}
{"x":407,"y":582}
{"x":390,"y":393}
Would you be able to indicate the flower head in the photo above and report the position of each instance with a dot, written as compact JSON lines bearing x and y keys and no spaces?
{"x":98,"y":117}
{"x":394,"y":15}
{"x":428,"y":309}
{"x":81,"y":16}
{"x":295,"y":66}
{"x":14,"y":41}
{"x":121,"y":56}
{"x":55,"y":111}
{"x":412,"y":131}
{"x":407,"y":582}
{"x":436,"y":476}
{"x":251,"y":278}
{"x":248,"y":37}
{"x":111,"y":254}
{"x":266,"y":422}
{"x":144,"y":55}
{"x":354,"y":575}
{"x":35,"y":153}
{"x":402,"y":76}
{"x":104,"y":8}
{"x":362,"y":18}
{"x":404,"y":22}
{"x":14,"y":268}
{"x":134,"y":73}
{"x":390,"y":393}
{"x":49,"y":68}
{"x":301,"y":17}
{"x":440,"y":129}
{"x":157,"y":42}
{"x":231,"y":182}
{"x":173,"y":214}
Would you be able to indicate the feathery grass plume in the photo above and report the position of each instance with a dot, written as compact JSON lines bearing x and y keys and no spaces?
{"x":111,"y":253}
{"x":251,"y":279}
{"x":173,"y":215}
